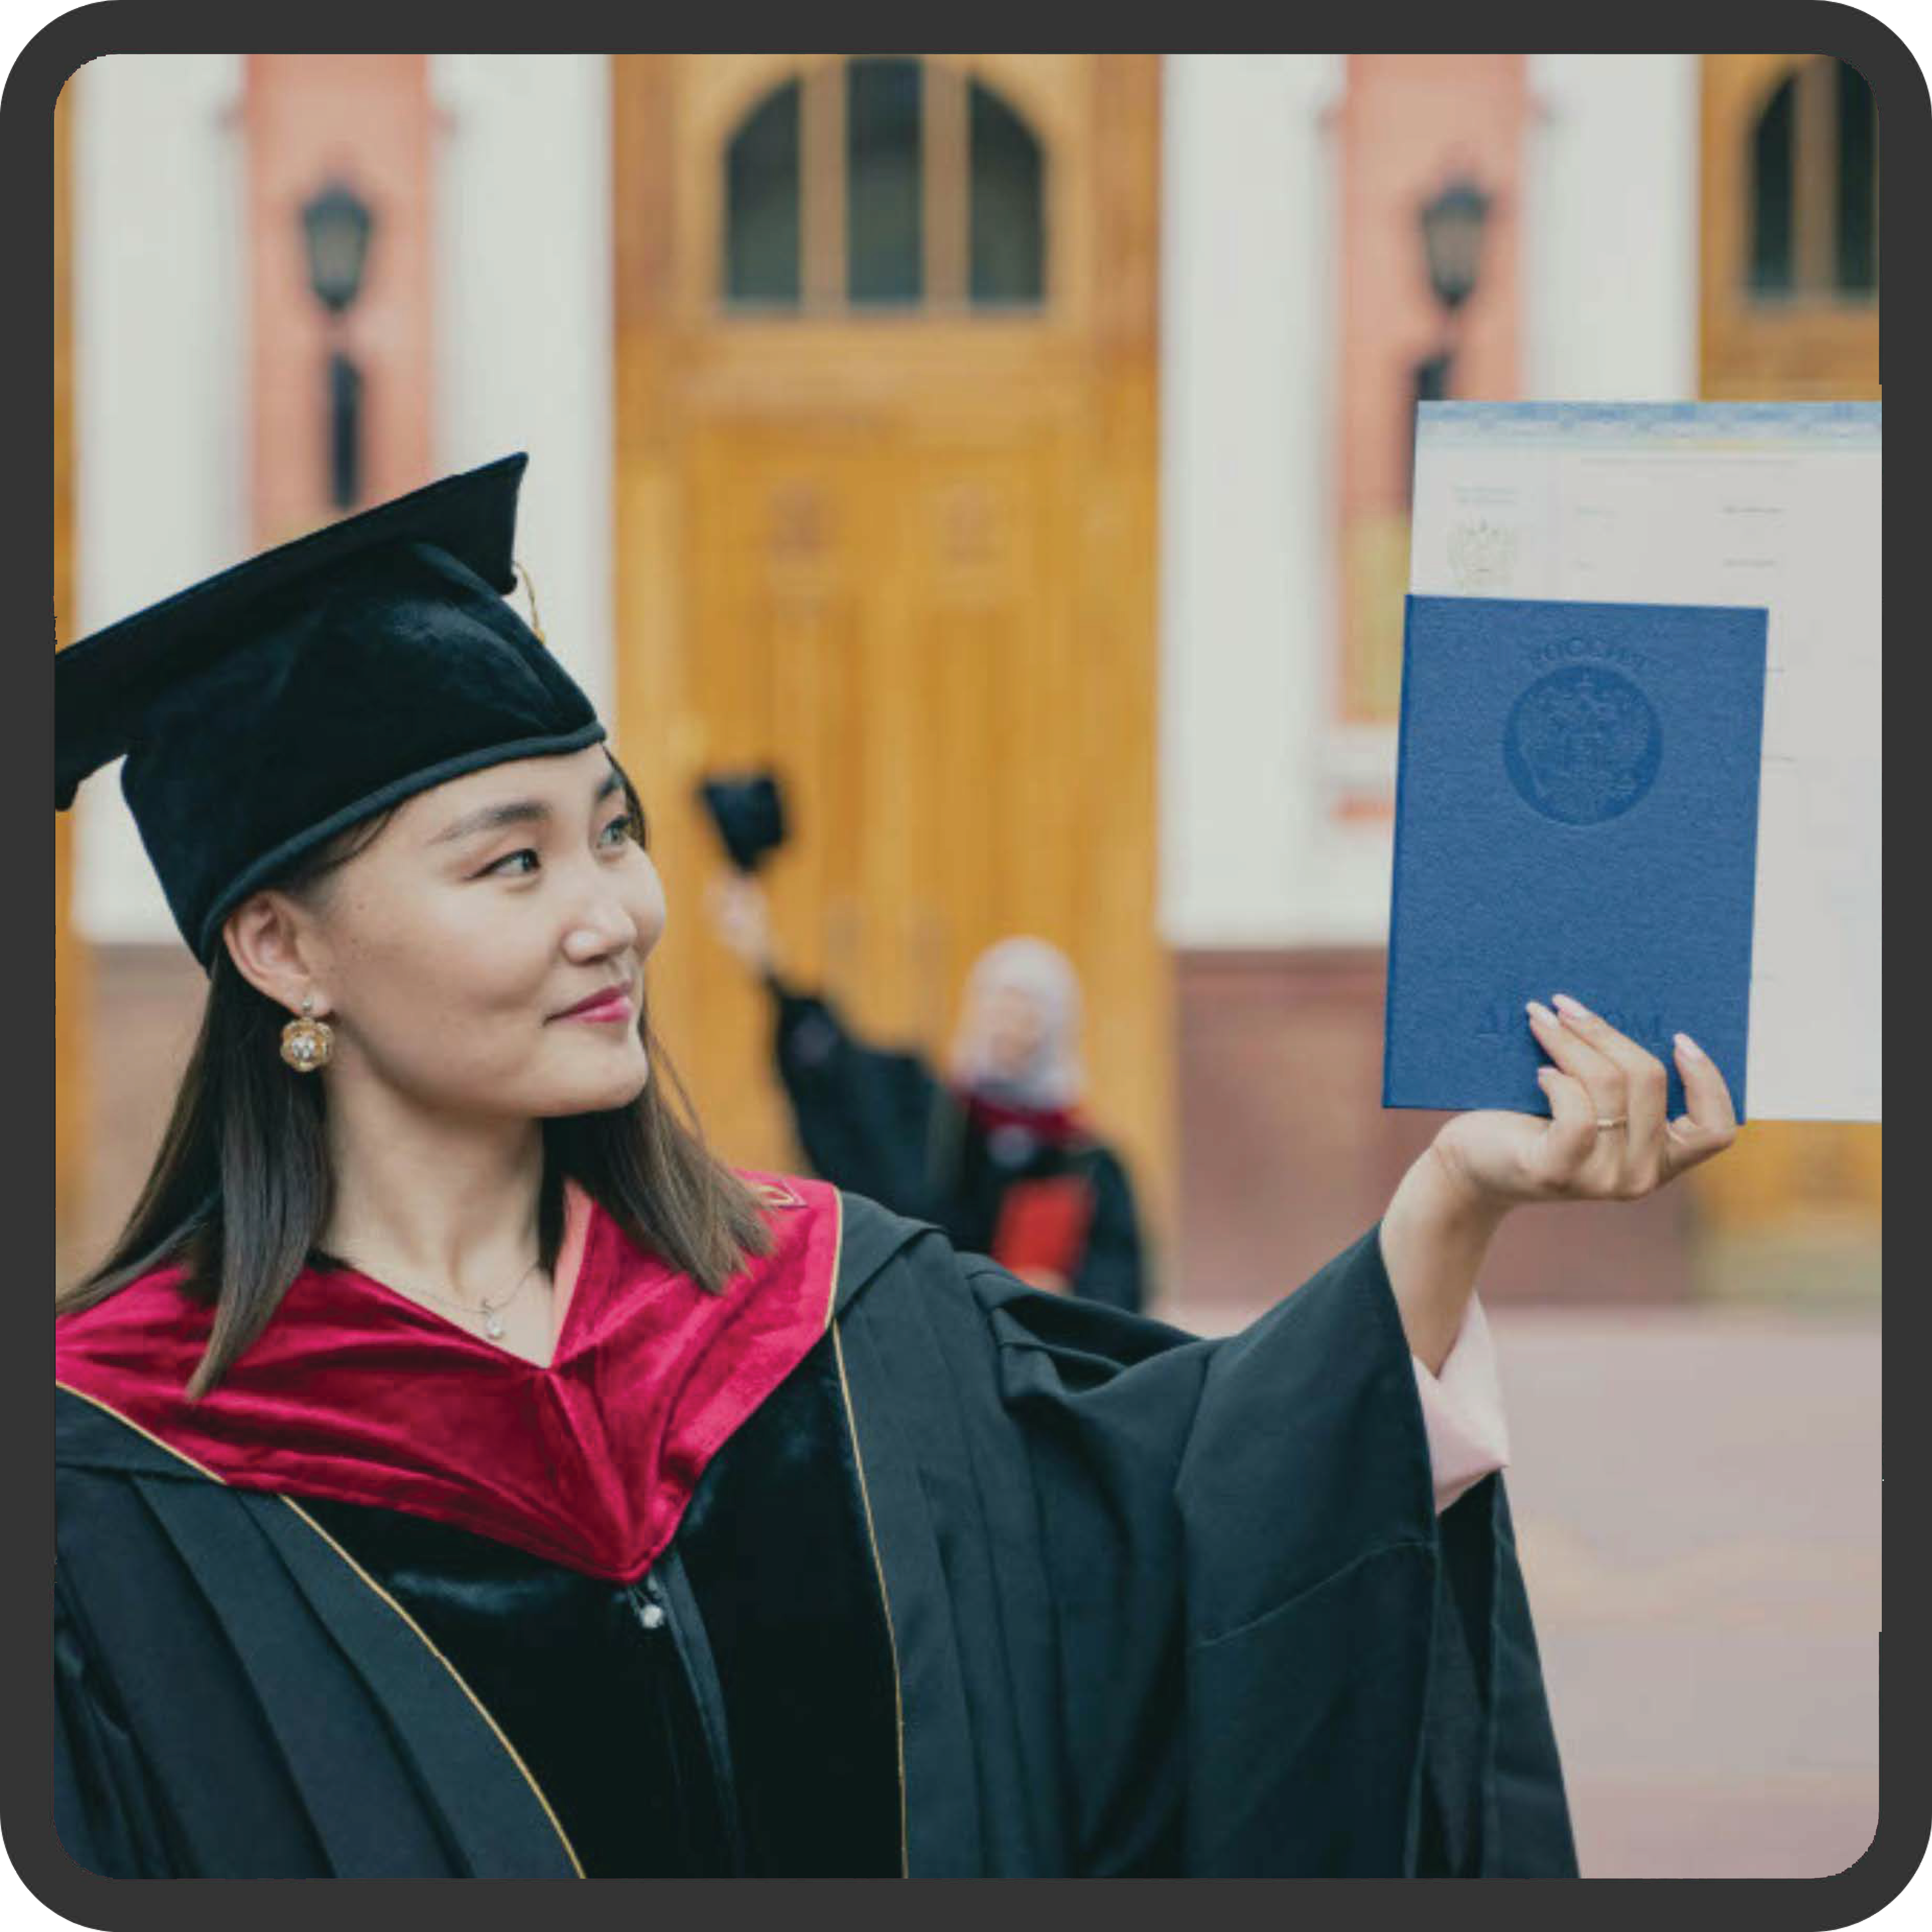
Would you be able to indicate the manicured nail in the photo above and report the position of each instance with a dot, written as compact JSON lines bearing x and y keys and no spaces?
{"x":1536,"y":1010}
{"x":1689,"y":1047}
{"x":1572,"y":1009}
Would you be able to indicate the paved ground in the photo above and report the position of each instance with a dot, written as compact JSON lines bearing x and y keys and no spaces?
{"x":1697,"y":1497}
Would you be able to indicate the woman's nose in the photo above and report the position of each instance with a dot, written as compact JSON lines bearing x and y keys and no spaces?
{"x":604,"y":925}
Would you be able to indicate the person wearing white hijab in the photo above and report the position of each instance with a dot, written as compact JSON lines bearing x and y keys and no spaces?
{"x":1017,"y":1042}
{"x":998,"y":1152}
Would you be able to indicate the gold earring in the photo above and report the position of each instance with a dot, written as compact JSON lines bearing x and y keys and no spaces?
{"x":307,"y":1043}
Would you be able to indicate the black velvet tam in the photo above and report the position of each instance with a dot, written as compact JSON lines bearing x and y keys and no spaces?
{"x":268,"y":709}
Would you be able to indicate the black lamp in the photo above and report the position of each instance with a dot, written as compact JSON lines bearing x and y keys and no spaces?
{"x":1452,"y":238}
{"x":337,"y":225}
{"x":1453,"y":223}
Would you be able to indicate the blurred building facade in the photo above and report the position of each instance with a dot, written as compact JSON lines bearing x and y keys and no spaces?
{"x":1012,"y":449}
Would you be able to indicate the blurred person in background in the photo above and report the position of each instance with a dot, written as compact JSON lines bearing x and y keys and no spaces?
{"x":998,"y":1153}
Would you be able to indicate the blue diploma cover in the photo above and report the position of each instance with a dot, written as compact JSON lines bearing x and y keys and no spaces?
{"x":1575,"y":812}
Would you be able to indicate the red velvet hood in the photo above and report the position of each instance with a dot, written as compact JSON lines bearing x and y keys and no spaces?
{"x":356,"y":1392}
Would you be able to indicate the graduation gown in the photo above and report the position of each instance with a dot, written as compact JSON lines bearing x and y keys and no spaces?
{"x":908,"y":1569}
{"x":878,"y":1123}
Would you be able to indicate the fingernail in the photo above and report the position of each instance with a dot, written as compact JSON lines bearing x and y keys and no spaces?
{"x":1571,"y":1009}
{"x":1688,"y":1045}
{"x":1536,"y":1010}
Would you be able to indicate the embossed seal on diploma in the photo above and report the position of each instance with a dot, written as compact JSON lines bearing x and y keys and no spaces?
{"x":1582,"y":745}
{"x":1482,"y":555}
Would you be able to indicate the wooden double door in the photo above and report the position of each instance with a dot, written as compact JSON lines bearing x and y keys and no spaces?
{"x":886,"y":521}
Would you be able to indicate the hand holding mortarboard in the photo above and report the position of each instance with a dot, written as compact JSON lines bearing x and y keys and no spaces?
{"x":748,"y":813}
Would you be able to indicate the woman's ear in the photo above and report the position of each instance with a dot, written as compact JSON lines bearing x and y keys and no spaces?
{"x":273,"y":947}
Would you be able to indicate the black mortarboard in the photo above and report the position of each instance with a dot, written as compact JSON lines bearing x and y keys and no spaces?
{"x":749,"y":812}
{"x":268,"y":709}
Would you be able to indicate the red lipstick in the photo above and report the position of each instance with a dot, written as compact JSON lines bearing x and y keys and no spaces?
{"x":609,"y":1004}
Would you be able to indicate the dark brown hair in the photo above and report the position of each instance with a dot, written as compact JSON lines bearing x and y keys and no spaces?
{"x":240,"y":1190}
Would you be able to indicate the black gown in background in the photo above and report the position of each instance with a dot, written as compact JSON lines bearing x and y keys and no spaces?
{"x":996,"y":1583}
{"x":877,"y":1123}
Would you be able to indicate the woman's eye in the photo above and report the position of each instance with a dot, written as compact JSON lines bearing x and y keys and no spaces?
{"x":622,"y":825}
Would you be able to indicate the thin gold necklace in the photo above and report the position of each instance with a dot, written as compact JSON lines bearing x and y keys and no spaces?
{"x":491,"y":1311}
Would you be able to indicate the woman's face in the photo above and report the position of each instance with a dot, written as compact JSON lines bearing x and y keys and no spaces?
{"x":450,"y":949}
{"x":1015,"y":1029}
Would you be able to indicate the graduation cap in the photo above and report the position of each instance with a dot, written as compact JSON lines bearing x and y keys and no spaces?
{"x":749,"y":812}
{"x":263,"y":711}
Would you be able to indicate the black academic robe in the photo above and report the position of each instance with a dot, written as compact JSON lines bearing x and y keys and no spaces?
{"x":878,"y":1123}
{"x":996,"y":1583}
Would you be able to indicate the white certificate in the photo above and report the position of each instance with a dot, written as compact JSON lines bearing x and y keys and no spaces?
{"x":1770,"y":504}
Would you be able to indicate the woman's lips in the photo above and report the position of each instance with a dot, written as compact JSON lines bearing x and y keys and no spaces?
{"x":617,"y":1007}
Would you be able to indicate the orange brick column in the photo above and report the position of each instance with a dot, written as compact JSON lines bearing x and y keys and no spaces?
{"x":365,"y":120}
{"x":1409,"y":123}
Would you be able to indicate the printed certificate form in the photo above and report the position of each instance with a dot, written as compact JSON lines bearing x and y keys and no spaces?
{"x":1774,"y":504}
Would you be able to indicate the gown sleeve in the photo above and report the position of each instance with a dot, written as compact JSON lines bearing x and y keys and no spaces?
{"x":1112,"y":1270}
{"x":864,"y":1117}
{"x":1268,"y":1653}
{"x":106,"y":1811}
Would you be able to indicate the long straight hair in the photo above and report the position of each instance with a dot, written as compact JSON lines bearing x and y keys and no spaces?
{"x":240,"y":1189}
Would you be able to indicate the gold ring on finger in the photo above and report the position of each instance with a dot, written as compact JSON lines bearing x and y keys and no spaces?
{"x":1612,"y":1120}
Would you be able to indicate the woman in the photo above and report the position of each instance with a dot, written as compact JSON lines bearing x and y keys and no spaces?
{"x":460,"y":1473}
{"x":1000,"y":1156}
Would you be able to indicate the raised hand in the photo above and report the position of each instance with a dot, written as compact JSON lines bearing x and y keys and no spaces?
{"x":1607,"y":1139}
{"x":739,"y":910}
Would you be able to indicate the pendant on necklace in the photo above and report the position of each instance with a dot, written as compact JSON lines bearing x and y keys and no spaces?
{"x":493,"y":1326}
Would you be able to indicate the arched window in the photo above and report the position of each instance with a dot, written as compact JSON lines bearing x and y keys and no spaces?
{"x":1858,"y":183}
{"x":762,"y":205}
{"x":1771,"y":193}
{"x":1009,"y":237}
{"x":1814,"y":186}
{"x":885,"y":235}
{"x":884,"y":182}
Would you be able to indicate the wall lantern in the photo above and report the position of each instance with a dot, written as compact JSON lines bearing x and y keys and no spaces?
{"x":337,"y":225}
{"x":1452,"y":239}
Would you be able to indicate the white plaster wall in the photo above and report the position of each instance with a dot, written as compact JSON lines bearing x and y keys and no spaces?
{"x":1249,"y":854}
{"x":1246,"y":559}
{"x":1611,"y":228}
{"x":160,"y":376}
{"x":523,"y":301}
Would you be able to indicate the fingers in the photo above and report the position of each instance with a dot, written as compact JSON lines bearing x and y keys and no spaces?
{"x":1709,"y":1123}
{"x":1601,"y":1068}
{"x":1600,"y":1076}
{"x":1570,"y":1140}
{"x":1646,"y":1087}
